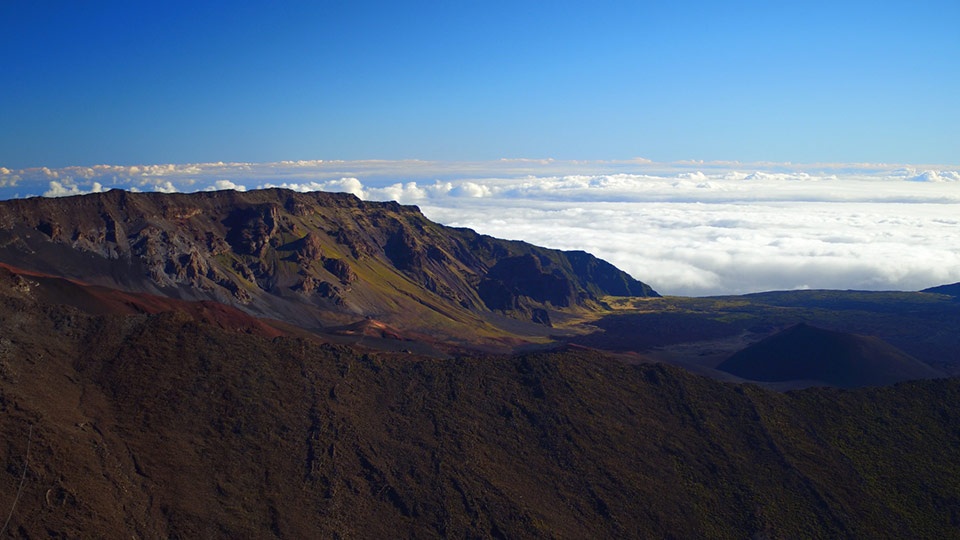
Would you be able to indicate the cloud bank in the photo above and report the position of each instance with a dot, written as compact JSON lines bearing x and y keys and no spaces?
{"x":690,"y":228}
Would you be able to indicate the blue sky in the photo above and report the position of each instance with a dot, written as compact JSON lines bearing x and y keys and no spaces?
{"x":131,"y":82}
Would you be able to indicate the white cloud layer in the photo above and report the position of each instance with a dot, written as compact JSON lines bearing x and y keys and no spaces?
{"x":689,"y":228}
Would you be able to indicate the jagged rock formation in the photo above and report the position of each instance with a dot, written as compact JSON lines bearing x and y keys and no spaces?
{"x":321,"y":257}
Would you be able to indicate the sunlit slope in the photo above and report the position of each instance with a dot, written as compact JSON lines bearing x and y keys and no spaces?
{"x":313,"y":259}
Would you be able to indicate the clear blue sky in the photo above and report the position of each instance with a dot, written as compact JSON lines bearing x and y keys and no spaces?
{"x":128,"y":82}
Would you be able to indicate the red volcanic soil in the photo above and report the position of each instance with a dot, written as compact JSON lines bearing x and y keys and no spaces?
{"x":100,"y":300}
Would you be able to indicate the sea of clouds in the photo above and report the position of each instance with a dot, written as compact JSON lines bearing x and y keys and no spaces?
{"x":687,"y":228}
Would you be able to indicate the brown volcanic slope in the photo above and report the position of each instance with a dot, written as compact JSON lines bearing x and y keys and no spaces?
{"x":312,"y":259}
{"x":97,"y":300}
{"x":807,"y":353}
{"x":159,"y":426}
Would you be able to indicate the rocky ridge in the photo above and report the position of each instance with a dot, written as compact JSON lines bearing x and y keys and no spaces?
{"x":316,"y":258}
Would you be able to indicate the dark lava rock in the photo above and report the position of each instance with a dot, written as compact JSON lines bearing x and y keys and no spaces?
{"x":524,"y":275}
{"x":251,"y":229}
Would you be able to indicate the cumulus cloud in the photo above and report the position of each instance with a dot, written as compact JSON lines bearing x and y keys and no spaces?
{"x":400,"y":192}
{"x":67,"y":188}
{"x":8,"y":178}
{"x":936,"y":176}
{"x":346,"y":185}
{"x":471,"y":189}
{"x":165,"y":187}
{"x":696,"y":175}
{"x":342,"y":185}
{"x":221,"y":185}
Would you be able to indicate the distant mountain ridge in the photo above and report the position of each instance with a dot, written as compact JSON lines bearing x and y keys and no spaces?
{"x":320,"y":259}
{"x":952,"y":289}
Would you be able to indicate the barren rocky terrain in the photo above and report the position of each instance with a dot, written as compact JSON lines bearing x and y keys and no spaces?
{"x":273,"y":364}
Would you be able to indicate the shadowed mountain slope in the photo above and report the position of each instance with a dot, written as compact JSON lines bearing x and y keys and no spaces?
{"x":950,"y":290}
{"x":807,"y":353}
{"x":316,"y":259}
{"x":157,"y":425}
